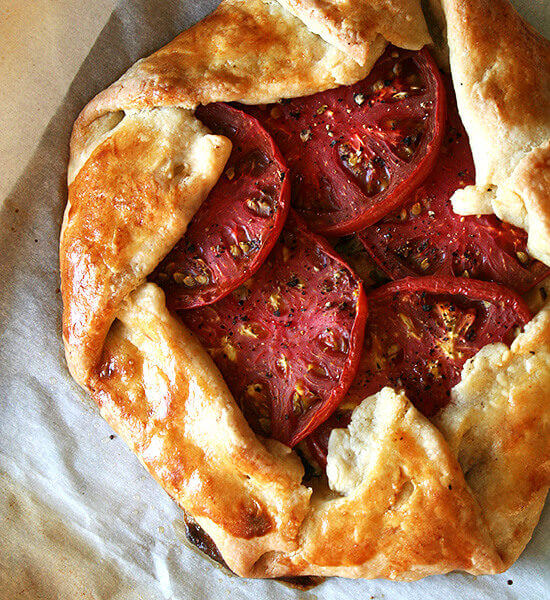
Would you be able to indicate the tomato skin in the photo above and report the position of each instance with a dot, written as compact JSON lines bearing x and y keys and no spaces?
{"x":426,"y":237}
{"x":238,"y":224}
{"x":468,"y":288}
{"x":288,"y":342}
{"x":367,"y":146}
{"x":348,"y":374}
{"x":419,"y":334}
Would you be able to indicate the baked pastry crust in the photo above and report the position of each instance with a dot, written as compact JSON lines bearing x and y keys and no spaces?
{"x":507,"y":123}
{"x":407,"y":497}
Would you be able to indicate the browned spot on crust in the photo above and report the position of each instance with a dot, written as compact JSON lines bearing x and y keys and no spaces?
{"x":196,"y":535}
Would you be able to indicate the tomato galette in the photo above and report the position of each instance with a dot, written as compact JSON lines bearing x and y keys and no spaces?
{"x":303,"y":268}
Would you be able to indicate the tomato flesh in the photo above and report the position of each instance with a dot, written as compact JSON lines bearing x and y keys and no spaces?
{"x":355,"y":152}
{"x":235,"y":228}
{"x":288,"y":341}
{"x":426,"y":237}
{"x":419,"y":333}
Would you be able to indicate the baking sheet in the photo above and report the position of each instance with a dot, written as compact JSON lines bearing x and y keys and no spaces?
{"x":79,"y":517}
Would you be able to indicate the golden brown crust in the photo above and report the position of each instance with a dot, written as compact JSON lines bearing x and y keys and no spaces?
{"x":405,"y":510}
{"x":128,"y":205}
{"x":247,"y":50}
{"x":353,"y":25}
{"x":158,"y":388}
{"x":501,"y":75}
{"x":524,"y":200}
{"x":404,"y":500}
{"x":498,"y":425}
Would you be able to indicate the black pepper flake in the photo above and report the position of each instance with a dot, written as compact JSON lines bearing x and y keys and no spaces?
{"x":293,"y":282}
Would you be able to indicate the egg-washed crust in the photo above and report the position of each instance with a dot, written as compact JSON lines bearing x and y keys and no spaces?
{"x":353,"y":25}
{"x":500,"y":69}
{"x":251,"y":51}
{"x":407,"y":498}
{"x":128,"y":205}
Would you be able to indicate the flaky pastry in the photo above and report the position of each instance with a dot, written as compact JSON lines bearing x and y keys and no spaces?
{"x":406,"y":496}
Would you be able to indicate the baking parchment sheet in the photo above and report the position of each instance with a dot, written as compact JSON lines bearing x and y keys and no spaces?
{"x":79,"y":517}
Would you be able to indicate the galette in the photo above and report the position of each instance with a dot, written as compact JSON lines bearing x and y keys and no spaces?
{"x":303,"y":268}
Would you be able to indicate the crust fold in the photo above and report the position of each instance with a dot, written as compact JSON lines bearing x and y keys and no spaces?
{"x":158,"y":388}
{"x":501,"y":75}
{"x":353,"y":25}
{"x":251,"y":51}
{"x":127,"y":207}
{"x":498,"y":426}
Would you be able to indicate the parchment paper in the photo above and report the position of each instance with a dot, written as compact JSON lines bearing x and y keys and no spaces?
{"x":79,"y":517}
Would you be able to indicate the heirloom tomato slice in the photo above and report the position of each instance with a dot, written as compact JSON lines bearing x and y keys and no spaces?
{"x":355,"y":152}
{"x":235,"y":228}
{"x":426,"y":237}
{"x":288,"y":341}
{"x":420,"y":331}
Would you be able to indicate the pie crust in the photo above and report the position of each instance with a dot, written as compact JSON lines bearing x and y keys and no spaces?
{"x":408,"y":497}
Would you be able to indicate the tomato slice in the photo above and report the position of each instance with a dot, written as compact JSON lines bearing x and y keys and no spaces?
{"x":288,"y":341}
{"x":355,"y":152}
{"x":237,"y":225}
{"x":419,"y":333}
{"x":426,"y":237}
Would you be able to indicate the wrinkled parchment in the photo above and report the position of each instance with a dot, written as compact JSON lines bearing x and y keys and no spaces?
{"x":79,"y":517}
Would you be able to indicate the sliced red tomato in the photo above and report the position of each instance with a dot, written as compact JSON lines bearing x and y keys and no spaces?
{"x":237,"y":225}
{"x":426,"y":237}
{"x":288,"y":341}
{"x":355,"y":152}
{"x":420,"y":332}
